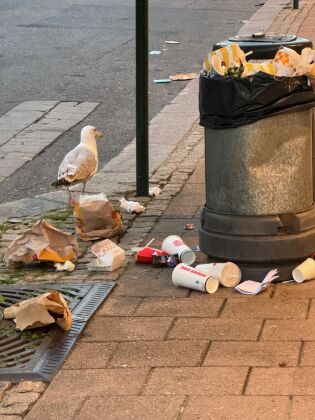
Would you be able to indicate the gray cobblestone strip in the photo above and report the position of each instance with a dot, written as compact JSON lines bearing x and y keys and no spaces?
{"x":31,"y":126}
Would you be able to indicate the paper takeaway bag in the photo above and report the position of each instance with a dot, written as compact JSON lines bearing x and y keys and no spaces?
{"x":45,"y":309}
{"x":42,"y":242}
{"x":96,"y":218}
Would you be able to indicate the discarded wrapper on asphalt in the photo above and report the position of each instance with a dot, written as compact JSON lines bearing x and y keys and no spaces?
{"x":110,"y":256}
{"x":45,"y":309}
{"x":43,"y":242}
{"x":96,"y":218}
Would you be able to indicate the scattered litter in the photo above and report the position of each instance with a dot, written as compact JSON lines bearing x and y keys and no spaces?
{"x":195,"y":248}
{"x":172,"y":42}
{"x":189,"y":226}
{"x":67,"y":266}
{"x":282,"y":364}
{"x":109,"y":256}
{"x":304,"y":271}
{"x":43,"y":242}
{"x":96,"y":218}
{"x":145,"y":255}
{"x":154,"y":191}
{"x":162,"y":81}
{"x":186,"y":276}
{"x":183,"y":76}
{"x":131,"y":206}
{"x":243,"y":21}
{"x":229,"y":274}
{"x":188,"y":148}
{"x":155,"y":52}
{"x":250,"y":287}
{"x":174,"y":245}
{"x":46,"y":309}
{"x":163,"y":261}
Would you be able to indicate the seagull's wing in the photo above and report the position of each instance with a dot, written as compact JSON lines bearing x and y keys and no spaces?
{"x":78,"y":165}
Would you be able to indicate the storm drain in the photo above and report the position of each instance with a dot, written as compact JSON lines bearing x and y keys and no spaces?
{"x":37,"y":354}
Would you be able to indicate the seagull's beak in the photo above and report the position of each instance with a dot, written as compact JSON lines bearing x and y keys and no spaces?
{"x":98,"y":134}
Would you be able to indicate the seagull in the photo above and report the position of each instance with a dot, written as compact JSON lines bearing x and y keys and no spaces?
{"x":81,"y":163}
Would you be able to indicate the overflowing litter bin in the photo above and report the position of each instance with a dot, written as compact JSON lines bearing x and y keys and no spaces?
{"x":259,"y":210}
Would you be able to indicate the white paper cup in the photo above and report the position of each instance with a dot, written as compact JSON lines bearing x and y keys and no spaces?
{"x":185,"y":276}
{"x":229,"y":274}
{"x":174,"y":244}
{"x":304,"y":271}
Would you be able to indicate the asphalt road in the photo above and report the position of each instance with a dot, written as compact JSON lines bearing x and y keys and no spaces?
{"x":84,"y":50}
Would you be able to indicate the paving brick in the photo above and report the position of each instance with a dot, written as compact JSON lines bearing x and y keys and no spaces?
{"x":308,"y":354}
{"x":90,"y":355}
{"x":215,"y":329}
{"x":126,"y":328}
{"x":159,"y":353}
{"x":281,"y":381}
{"x":252,"y":353}
{"x":49,"y":409}
{"x":295,"y":290}
{"x":96,"y":382}
{"x":237,"y":408}
{"x":303,"y":408}
{"x":149,"y":286}
{"x":289,"y":330}
{"x":132,"y":408}
{"x":196,"y":381}
{"x":312,"y":310}
{"x":267,"y":308}
{"x":180,"y":307}
{"x":119,"y":306}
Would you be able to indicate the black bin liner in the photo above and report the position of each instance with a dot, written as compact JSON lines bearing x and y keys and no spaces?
{"x":226,"y":102}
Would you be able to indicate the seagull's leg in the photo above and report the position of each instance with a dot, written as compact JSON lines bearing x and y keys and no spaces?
{"x":83,"y":189}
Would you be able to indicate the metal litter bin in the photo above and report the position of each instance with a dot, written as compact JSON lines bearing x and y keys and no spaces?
{"x":259,"y":210}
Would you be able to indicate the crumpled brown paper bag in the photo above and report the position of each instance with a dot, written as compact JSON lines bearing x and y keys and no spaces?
{"x":42,"y":242}
{"x":45,"y":309}
{"x":96,"y":218}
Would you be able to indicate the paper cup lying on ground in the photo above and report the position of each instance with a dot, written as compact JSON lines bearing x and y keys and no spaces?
{"x":185,"y":276}
{"x":174,"y":244}
{"x":229,"y":274}
{"x":304,"y":271}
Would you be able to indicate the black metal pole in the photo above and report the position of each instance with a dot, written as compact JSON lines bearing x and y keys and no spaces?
{"x":142,"y":129}
{"x":295,"y":4}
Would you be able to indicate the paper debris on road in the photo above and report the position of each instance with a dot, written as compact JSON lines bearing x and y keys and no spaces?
{"x":162,"y":81}
{"x":250,"y":287}
{"x":110,"y":256}
{"x":45,"y":309}
{"x":131,"y":206}
{"x":154,"y":191}
{"x":184,"y":76}
{"x":155,"y":52}
{"x":189,"y":226}
{"x":172,"y":42}
{"x":67,"y":266}
{"x":43,"y":242}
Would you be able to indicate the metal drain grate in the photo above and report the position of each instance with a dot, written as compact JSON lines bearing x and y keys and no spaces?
{"x":38,"y":354}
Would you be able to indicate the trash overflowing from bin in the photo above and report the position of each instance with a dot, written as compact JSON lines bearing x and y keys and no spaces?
{"x":234,"y":92}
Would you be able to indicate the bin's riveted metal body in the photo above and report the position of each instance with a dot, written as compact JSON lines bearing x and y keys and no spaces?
{"x":259,"y":208}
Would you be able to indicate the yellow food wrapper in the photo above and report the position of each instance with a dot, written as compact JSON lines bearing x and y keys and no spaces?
{"x":45,"y":309}
{"x":233,"y":56}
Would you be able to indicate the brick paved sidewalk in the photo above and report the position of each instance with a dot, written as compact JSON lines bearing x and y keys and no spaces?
{"x":154,"y":351}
